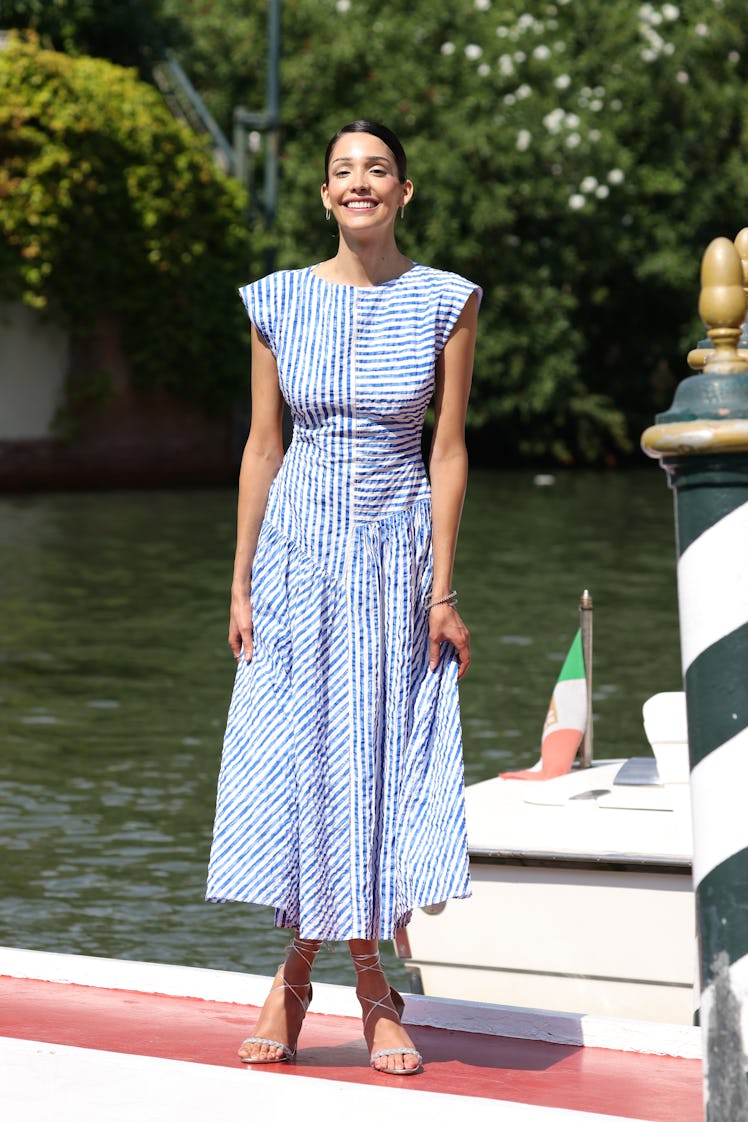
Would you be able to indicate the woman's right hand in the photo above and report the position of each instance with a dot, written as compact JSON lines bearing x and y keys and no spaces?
{"x":240,"y":627}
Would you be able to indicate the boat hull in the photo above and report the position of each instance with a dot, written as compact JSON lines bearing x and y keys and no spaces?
{"x":582,"y":900}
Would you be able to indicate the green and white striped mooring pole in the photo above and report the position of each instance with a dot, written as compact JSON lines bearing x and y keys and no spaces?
{"x":702,"y":443}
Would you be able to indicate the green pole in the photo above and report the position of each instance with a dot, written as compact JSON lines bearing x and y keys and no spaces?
{"x":702,"y":443}
{"x":272,"y":109}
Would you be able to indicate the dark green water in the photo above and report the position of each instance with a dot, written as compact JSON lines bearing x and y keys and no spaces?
{"x":115,"y":677}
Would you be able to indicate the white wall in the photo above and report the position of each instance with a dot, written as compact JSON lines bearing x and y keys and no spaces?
{"x":33,"y":366}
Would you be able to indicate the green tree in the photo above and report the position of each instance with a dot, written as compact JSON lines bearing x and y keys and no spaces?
{"x":574,"y":157}
{"x":108,"y":205}
{"x":129,"y":32}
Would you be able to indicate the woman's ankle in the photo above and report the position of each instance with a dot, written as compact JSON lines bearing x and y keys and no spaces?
{"x":300,"y":956}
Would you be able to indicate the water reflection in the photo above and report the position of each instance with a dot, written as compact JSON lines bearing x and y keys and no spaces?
{"x":115,"y":677}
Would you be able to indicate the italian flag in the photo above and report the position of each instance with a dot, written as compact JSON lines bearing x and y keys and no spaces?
{"x":565,"y":721}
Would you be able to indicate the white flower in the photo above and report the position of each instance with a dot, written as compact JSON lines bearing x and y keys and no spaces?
{"x":343,"y":5}
{"x":701,"y":30}
{"x":670,"y":12}
{"x":573,"y":140}
{"x":523,"y":91}
{"x":602,"y":191}
{"x":506,"y":65}
{"x":596,"y":105}
{"x":615,"y":176}
{"x":649,"y":56}
{"x":473,"y":51}
{"x":682,"y":77}
{"x":484,"y":69}
{"x":576,"y":202}
{"x":524,"y":139}
{"x":448,"y":48}
{"x":734,"y":56}
{"x":502,"y":31}
{"x":483,"y":5}
{"x":594,"y":135}
{"x":562,"y":82}
{"x":616,"y":104}
{"x":599,"y":91}
{"x":519,"y":56}
{"x":571,"y":120}
{"x":509,"y":99}
{"x":541,"y":52}
{"x":554,"y":120}
{"x":559,"y":46}
{"x":588,"y":184}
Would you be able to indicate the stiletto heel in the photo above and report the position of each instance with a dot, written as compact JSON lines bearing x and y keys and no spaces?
{"x":398,"y":1005}
{"x":306,"y":949}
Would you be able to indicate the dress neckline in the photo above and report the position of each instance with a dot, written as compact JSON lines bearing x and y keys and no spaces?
{"x":361,"y":287}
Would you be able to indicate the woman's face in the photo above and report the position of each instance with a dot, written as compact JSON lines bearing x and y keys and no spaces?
{"x":363,"y":190}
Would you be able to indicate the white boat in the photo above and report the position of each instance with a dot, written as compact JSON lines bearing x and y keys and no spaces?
{"x":582,"y":890}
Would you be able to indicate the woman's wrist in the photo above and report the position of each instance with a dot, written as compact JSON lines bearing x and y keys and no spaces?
{"x":447,"y":599}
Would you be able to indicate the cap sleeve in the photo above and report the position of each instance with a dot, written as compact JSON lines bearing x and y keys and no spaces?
{"x":260,"y":299}
{"x":453,"y":298}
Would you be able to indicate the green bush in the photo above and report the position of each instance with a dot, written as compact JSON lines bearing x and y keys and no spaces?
{"x":574,"y":157}
{"x":107,"y":205}
{"x":129,"y":32}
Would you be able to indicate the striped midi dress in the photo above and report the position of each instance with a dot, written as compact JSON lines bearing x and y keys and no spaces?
{"x":340,"y":796}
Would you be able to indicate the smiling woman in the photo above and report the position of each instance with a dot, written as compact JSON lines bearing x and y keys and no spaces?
{"x":340,"y":800}
{"x":366,"y":172}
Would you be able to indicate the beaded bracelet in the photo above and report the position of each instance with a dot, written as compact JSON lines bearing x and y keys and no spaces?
{"x":450,"y":599}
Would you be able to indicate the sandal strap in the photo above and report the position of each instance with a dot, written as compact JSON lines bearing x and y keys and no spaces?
{"x":290,"y":1052}
{"x":359,"y":958}
{"x":284,"y":985}
{"x":306,"y":949}
{"x":397,"y":1052}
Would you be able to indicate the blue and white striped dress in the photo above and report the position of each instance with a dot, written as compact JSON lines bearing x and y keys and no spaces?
{"x":340,"y":797}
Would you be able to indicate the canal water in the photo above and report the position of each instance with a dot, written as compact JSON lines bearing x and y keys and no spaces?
{"x":115,"y":677}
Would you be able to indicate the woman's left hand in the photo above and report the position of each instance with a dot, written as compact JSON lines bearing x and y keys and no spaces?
{"x":445,"y":626}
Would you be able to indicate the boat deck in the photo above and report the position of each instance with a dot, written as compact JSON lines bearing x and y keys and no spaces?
{"x":72,"y":1051}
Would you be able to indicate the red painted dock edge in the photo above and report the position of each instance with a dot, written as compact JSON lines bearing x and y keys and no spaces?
{"x":655,"y":1088}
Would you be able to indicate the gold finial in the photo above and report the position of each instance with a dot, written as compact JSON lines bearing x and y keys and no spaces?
{"x":722,"y":306}
{"x":741,"y":244}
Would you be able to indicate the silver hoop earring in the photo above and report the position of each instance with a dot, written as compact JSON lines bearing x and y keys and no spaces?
{"x":327,"y":214}
{"x":402,"y":212}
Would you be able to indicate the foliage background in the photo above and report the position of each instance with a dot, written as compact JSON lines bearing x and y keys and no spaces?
{"x":108,"y":205}
{"x":573,"y":157}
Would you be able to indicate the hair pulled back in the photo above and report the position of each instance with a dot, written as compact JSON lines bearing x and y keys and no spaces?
{"x":382,"y":133}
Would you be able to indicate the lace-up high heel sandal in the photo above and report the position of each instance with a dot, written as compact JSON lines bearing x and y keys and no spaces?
{"x":362,"y":963}
{"x":306,"y":949}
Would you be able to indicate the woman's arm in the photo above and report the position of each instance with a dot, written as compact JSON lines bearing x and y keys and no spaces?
{"x":263,"y":454}
{"x":448,"y":472}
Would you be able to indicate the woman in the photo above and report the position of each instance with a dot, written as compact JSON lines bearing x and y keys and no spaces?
{"x":340,"y":800}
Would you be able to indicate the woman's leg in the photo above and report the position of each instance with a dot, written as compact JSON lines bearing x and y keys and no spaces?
{"x":382,"y":1029}
{"x":282,"y":1014}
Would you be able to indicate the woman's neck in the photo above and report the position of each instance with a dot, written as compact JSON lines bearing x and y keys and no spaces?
{"x":364,"y":265}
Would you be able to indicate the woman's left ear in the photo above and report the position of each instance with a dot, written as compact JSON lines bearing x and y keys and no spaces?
{"x":407,"y":194}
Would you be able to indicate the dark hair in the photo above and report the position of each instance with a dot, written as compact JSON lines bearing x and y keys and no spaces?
{"x":384,"y":134}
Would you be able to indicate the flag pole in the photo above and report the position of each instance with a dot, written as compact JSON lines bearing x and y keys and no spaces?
{"x":585,"y":616}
